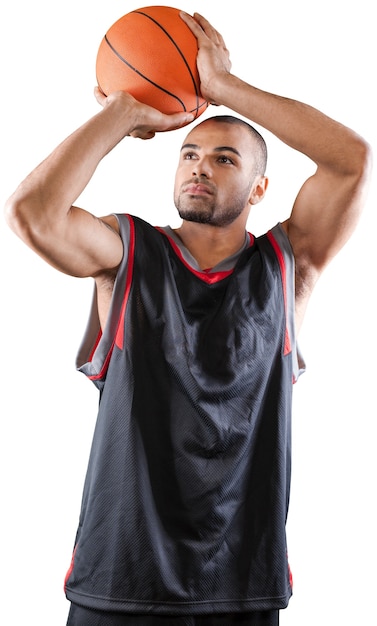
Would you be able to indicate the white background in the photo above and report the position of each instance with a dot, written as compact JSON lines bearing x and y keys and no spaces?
{"x":323,"y":53}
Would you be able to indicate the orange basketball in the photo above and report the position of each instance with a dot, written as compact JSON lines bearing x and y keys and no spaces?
{"x":151,"y":53}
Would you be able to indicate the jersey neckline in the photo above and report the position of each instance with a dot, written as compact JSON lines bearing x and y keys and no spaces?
{"x":211,"y":275}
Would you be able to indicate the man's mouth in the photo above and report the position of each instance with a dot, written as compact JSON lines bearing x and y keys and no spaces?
{"x":197,"y":189}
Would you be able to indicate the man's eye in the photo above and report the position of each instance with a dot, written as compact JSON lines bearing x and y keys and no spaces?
{"x":225,"y":159}
{"x":189,"y":155}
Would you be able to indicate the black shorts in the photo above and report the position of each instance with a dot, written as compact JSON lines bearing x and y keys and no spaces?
{"x":80,"y":616}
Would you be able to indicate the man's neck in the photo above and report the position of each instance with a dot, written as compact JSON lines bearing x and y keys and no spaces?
{"x":209,"y":245}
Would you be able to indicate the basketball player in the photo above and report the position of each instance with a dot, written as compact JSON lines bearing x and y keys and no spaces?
{"x":192,"y":343}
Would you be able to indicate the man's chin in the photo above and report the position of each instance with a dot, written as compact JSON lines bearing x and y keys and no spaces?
{"x":189,"y":215}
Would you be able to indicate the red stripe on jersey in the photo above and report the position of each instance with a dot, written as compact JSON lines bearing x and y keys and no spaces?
{"x":290,"y":576}
{"x":119,"y":336}
{"x":280,"y":257}
{"x":70,"y":569}
{"x":205,"y":275}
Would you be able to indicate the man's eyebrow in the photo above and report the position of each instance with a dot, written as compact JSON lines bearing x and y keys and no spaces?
{"x":228,"y":149}
{"x":194,"y":146}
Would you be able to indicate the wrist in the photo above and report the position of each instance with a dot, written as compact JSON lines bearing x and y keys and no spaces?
{"x":218,"y":90}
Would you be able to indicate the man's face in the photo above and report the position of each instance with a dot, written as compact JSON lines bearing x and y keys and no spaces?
{"x":215,"y":175}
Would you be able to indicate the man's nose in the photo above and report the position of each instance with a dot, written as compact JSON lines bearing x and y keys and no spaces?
{"x":202,"y":168}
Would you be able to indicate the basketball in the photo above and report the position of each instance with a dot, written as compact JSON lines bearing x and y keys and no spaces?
{"x":151,"y":54}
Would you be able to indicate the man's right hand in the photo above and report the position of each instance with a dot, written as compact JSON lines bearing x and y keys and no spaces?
{"x":143,"y":121}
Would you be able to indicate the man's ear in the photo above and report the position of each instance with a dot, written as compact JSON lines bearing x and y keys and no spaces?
{"x":258,"y":190}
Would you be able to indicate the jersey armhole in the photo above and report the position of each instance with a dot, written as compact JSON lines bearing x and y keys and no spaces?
{"x":97,"y":345}
{"x":283,"y":250}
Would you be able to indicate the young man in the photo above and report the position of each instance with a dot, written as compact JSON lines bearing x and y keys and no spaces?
{"x":192,"y":344}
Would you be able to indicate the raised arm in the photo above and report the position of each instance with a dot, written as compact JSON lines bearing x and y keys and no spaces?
{"x":41,"y":210}
{"x":329,"y":203}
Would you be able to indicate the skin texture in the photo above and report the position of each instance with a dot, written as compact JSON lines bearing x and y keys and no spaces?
{"x":215,"y":186}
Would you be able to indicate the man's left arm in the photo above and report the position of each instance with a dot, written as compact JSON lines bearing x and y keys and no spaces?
{"x":329,"y":203}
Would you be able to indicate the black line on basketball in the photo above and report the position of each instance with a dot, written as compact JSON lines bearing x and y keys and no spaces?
{"x":179,"y":51}
{"x":197,"y":109}
{"x":134,"y":69}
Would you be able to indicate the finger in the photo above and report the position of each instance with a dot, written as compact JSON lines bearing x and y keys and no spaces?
{"x":192,"y":24}
{"x":176,"y":120}
{"x":100,"y":96}
{"x":137,"y":135}
{"x":209,"y":30}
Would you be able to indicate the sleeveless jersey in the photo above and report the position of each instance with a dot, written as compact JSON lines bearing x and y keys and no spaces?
{"x":186,"y":495}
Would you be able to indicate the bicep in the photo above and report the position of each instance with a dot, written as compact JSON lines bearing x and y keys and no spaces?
{"x":80,"y":245}
{"x":324,"y":216}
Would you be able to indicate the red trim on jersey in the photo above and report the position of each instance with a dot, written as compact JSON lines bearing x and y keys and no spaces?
{"x":206,"y":275}
{"x":119,"y":336}
{"x":119,"y":333}
{"x":70,"y":569}
{"x":280,"y":256}
{"x":290,"y":576}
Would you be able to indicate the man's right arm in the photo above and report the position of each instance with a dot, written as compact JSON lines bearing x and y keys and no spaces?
{"x":41,"y":211}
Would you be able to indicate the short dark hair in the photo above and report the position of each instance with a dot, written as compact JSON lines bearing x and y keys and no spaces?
{"x":261,"y":155}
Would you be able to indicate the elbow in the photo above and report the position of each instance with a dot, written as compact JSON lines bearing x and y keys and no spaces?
{"x":13,"y":211}
{"x":358,"y":169}
{"x":363,"y":161}
{"x":20,"y":215}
